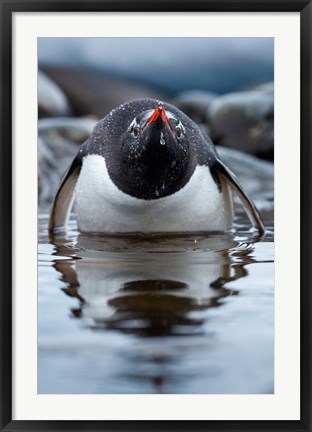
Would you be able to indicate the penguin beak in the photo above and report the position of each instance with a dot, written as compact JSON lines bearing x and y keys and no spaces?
{"x":160,"y":114}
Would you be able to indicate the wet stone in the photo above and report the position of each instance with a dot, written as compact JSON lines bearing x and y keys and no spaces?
{"x":92,"y":93}
{"x":58,"y":143}
{"x":266,"y":87}
{"x":51,"y":99}
{"x":244,"y":121}
{"x":258,"y":185}
{"x":194,"y":103}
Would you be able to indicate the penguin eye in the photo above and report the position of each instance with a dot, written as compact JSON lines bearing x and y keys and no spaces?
{"x":135,"y":131}
{"x":178,"y":132}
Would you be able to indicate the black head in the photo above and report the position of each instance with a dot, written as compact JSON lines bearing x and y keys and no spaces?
{"x":155,"y":133}
{"x":150,"y":148}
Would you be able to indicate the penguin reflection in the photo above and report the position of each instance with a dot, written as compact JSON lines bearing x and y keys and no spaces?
{"x":149,"y":296}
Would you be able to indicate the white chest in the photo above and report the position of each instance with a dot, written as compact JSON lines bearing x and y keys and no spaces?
{"x":101,"y":207}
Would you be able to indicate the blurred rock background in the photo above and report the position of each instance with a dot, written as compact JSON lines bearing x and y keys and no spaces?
{"x":224,"y":84}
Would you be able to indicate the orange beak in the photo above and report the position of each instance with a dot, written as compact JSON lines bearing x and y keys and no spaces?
{"x":160,"y":112}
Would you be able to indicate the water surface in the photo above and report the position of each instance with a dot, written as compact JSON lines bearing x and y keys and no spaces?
{"x":161,"y":314}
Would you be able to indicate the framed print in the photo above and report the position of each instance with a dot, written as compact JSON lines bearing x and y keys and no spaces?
{"x":155,"y":215}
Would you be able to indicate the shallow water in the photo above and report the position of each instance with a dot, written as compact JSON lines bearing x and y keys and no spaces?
{"x":184,"y":314}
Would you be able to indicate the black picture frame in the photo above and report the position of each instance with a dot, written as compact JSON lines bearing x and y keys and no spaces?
{"x":8,"y":7}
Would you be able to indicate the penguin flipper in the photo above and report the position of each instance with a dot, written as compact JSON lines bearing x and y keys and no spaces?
{"x":64,"y":197}
{"x":249,"y":206}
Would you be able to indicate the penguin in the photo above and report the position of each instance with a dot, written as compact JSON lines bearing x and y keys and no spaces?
{"x":148,"y":168}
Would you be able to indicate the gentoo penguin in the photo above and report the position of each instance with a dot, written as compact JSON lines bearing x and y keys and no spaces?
{"x":149,"y":168}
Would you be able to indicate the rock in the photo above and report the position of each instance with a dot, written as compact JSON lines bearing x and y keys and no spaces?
{"x":72,"y":129}
{"x":266,"y":87}
{"x":194,"y":103}
{"x":58,"y":144}
{"x":94,"y":93}
{"x":51,"y":99}
{"x":244,"y":121}
{"x":255,"y":175}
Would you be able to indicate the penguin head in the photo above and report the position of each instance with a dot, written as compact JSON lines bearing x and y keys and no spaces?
{"x":155,"y":136}
{"x":150,"y":148}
